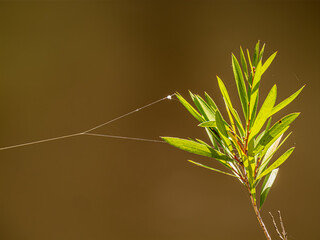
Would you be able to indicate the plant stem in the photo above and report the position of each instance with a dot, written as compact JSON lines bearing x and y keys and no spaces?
{"x":257,"y":212}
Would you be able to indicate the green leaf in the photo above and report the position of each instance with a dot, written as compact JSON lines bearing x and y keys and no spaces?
{"x":210,"y":102}
{"x":196,"y":148}
{"x":267,"y":184}
{"x":202,"y":142}
{"x":256,"y":54}
{"x":191,"y":110}
{"x":275,"y":130}
{"x":210,"y":168}
{"x":264,"y":112}
{"x":261,"y":52}
{"x":209,"y":113}
{"x":244,"y":63}
{"x":241,"y":86}
{"x":250,"y":63}
{"x":286,"y":102}
{"x":254,"y":96}
{"x":271,"y":150}
{"x":268,"y":124}
{"x":249,"y":164}
{"x":277,"y":163}
{"x":198,"y":105}
{"x":208,"y":124}
{"x":222,"y":129}
{"x":214,"y":133}
{"x":212,"y":138}
{"x":221,"y":125}
{"x":239,"y":125}
{"x":229,"y":105}
{"x":268,"y":62}
{"x":236,"y":145}
{"x":254,"y":110}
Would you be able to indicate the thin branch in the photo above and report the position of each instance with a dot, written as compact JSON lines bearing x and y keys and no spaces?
{"x":257,"y":212}
{"x":284,"y":233}
{"x":275,"y":226}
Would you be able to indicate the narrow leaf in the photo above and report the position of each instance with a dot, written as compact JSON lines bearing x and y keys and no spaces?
{"x":208,"y":111}
{"x":254,"y":96}
{"x":271,"y":150}
{"x":275,"y":130}
{"x":198,"y":105}
{"x":210,"y":168}
{"x":250,"y":63}
{"x":229,"y":105}
{"x":268,"y":62}
{"x":286,"y":102}
{"x":211,"y":103}
{"x":244,"y":63}
{"x":254,"y":110}
{"x":264,"y":112}
{"x":222,"y":129}
{"x":221,"y":125}
{"x":212,"y":138}
{"x":267,"y":184}
{"x":191,"y":110}
{"x":241,"y":86}
{"x":268,"y":124}
{"x":277,"y":163}
{"x":269,"y":154}
{"x":256,"y":54}
{"x":208,"y":124}
{"x":196,"y":148}
{"x":261,"y":52}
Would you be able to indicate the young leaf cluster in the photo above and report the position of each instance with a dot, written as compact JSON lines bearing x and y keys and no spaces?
{"x":245,"y":148}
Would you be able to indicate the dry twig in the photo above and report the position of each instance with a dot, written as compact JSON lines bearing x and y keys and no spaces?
{"x":283,"y":235}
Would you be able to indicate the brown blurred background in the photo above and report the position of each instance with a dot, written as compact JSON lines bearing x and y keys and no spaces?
{"x":67,"y":66}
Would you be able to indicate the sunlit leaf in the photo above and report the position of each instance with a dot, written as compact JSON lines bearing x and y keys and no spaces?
{"x":254,"y":110}
{"x":198,"y":105}
{"x":212,"y":137}
{"x":229,"y":104}
{"x":208,"y":124}
{"x":210,"y":102}
{"x":268,"y":62}
{"x":277,"y":163}
{"x":268,"y":124}
{"x":222,"y":129}
{"x":271,"y":150}
{"x":196,"y":148}
{"x":191,"y":110}
{"x":210,"y":168}
{"x":244,"y":63}
{"x":256,"y":54}
{"x":275,"y":130}
{"x":241,"y":86}
{"x":250,"y":63}
{"x":261,"y":52}
{"x":264,"y":112}
{"x":285,"y":102}
{"x":267,"y":184}
{"x":255,"y":91}
{"x":207,"y":111}
{"x":267,"y":155}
